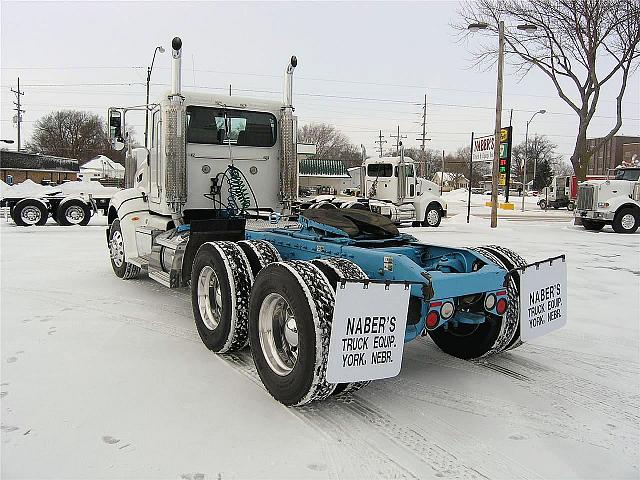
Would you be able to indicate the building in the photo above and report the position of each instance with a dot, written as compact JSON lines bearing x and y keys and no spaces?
{"x":450,"y":181}
{"x":16,"y":167}
{"x":321,"y":176}
{"x":612,"y":153}
{"x":102,"y":169}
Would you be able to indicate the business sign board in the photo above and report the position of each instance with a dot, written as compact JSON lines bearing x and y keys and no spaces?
{"x":367,"y":332}
{"x":543,"y":298}
{"x":483,"y":148}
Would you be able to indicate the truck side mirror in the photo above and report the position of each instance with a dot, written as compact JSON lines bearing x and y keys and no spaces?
{"x":115,"y":130}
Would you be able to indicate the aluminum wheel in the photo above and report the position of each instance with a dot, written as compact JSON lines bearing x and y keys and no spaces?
{"x":432,"y":217}
{"x":74,"y":214}
{"x":278,"y":333}
{"x":31,"y":215}
{"x":117,"y":248}
{"x":209,"y":297}
{"x":627,"y":221}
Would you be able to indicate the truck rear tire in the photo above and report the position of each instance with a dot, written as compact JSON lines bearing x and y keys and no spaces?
{"x":571,"y":206}
{"x":626,"y":220}
{"x":73,"y":212}
{"x":496,"y":334}
{"x":260,"y":253}
{"x":290,"y":316}
{"x":30,"y":211}
{"x":221,"y":282}
{"x":543,"y":204}
{"x":333,"y":269}
{"x":121,"y":267}
{"x":592,"y":225}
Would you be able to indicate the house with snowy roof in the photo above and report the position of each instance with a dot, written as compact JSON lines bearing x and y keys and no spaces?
{"x":102,"y":168}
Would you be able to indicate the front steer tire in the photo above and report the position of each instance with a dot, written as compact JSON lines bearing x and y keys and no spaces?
{"x":121,"y":267}
{"x":292,"y":367}
{"x":626,"y":220}
{"x":432,"y":215}
{"x":221,"y":281}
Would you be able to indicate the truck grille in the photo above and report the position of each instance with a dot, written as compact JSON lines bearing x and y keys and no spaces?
{"x":585,"y":197}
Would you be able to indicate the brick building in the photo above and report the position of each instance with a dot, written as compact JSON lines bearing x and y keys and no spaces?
{"x":612,"y":153}
{"x":38,"y":168}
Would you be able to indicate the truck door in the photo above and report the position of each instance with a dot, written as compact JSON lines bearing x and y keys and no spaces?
{"x":410,"y":177}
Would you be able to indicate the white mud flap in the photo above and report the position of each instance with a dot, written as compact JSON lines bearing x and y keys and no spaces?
{"x":367,"y":332}
{"x":543,"y":297}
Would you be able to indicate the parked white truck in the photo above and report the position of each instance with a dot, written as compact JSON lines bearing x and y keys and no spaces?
{"x":390,"y":186}
{"x":614,"y":202}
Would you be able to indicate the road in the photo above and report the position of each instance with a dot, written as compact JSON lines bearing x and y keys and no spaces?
{"x":106,"y":378}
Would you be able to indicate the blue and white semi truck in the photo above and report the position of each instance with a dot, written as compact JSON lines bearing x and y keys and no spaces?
{"x":325,"y":300}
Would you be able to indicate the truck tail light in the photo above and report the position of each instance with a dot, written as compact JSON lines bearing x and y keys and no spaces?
{"x":432,"y":319}
{"x":501,"y":306}
{"x":447,"y":310}
{"x":490,"y":301}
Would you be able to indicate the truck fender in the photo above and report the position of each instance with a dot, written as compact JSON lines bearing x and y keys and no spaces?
{"x":78,"y":197}
{"x":423,"y":201}
{"x":131,"y":207}
{"x":622,"y":201}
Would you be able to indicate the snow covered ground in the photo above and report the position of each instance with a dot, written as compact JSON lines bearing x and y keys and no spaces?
{"x":104,"y":378}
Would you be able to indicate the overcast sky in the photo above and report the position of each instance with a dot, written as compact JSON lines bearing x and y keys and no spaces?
{"x":361,"y":66}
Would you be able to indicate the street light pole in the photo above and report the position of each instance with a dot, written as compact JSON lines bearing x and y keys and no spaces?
{"x":526,"y":155}
{"x":146,"y":113}
{"x":496,"y":150}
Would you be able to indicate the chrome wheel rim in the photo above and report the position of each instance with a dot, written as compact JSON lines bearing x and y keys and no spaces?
{"x":31,"y":215}
{"x":74,"y":214}
{"x":117,"y":248}
{"x":278,"y":333}
{"x":628,"y":221}
{"x":432,"y":217}
{"x":209,"y":298}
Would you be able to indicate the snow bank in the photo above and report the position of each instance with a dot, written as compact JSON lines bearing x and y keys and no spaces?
{"x":455,"y":195}
{"x":29,"y":188}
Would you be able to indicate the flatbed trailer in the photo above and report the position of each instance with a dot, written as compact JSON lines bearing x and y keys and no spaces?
{"x":73,"y":209}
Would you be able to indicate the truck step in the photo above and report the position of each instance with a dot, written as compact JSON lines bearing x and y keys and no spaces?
{"x":142,"y":261}
{"x":160,"y":277}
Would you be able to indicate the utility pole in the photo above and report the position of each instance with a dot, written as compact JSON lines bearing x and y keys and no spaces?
{"x":442,"y":174}
{"x":424,"y":128}
{"x":380,"y":141}
{"x":496,"y":154}
{"x":18,"y":109}
{"x":398,"y":138}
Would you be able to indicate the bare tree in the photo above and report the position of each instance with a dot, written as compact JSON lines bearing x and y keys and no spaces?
{"x":580,"y":45}
{"x":72,"y":134}
{"x":541,"y":150}
{"x":330,"y":143}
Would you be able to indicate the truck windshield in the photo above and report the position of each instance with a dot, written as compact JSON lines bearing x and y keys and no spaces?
{"x":380,"y":170}
{"x":631,"y":174}
{"x":207,"y":125}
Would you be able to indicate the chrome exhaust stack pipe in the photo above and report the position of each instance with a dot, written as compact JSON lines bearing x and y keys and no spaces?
{"x":289,"y":158}
{"x":176,"y":66}
{"x":288,"y":82}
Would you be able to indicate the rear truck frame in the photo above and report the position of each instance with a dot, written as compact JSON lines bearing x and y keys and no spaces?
{"x":211,"y":210}
{"x":64,"y":209}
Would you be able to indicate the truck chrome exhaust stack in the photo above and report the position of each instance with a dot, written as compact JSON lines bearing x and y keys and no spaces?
{"x":288,"y":158}
{"x":176,"y":66}
{"x":288,"y":82}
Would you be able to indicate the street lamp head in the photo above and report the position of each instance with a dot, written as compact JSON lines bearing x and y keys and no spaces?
{"x":161,"y":49}
{"x":527,"y":28}
{"x":474,"y":27}
{"x":542,"y":111}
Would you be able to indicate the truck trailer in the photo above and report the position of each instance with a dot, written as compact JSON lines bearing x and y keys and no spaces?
{"x":325,"y":299}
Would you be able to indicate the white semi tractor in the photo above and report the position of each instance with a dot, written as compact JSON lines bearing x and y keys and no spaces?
{"x":390,"y":186}
{"x":614,"y":201}
{"x":210,"y":209}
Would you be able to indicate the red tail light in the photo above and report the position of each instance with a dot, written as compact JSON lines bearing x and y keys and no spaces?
{"x":432,"y":319}
{"x":501,"y":306}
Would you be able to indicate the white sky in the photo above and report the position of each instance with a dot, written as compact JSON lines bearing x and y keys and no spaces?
{"x":385,"y":56}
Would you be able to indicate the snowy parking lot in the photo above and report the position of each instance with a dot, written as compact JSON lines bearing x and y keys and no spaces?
{"x":104,"y":378}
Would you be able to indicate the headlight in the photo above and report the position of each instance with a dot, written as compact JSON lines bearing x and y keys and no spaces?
{"x":603,"y":205}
